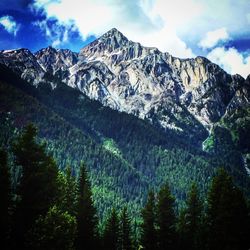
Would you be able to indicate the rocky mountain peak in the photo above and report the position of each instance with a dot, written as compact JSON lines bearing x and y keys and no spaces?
{"x":16,"y":53}
{"x":115,"y":37}
{"x":23,"y":62}
{"x":56,"y":61}
{"x":49,"y":49}
{"x":114,"y":48}
{"x":129,"y":77}
{"x":108,"y":43}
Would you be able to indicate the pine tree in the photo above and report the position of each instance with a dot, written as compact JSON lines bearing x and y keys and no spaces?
{"x":227,"y":216}
{"x":67,"y":200}
{"x":166,"y":219}
{"x":111,"y":232}
{"x":87,"y":220}
{"x":125,"y":242}
{"x":55,"y":230}
{"x":5,"y":199}
{"x":181,"y":229}
{"x":190,"y":220}
{"x":37,"y":191}
{"x":148,"y":228}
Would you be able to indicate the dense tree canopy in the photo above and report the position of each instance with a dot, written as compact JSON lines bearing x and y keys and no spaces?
{"x":86,"y":214}
{"x":227,"y":215}
{"x":148,"y":234}
{"x":37,"y":189}
{"x":5,"y":196}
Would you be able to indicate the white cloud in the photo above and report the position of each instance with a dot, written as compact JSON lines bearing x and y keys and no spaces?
{"x":56,"y":34}
{"x":9,"y":24}
{"x":166,"y":40}
{"x":224,"y":13}
{"x":248,"y":17}
{"x":143,"y":21}
{"x":177,"y":13}
{"x":231,"y":60}
{"x":212,"y":38}
{"x":165,"y":24}
{"x":43,"y":26}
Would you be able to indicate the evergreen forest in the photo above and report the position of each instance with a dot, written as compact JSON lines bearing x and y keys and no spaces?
{"x":75,"y":174}
{"x":51,"y":209}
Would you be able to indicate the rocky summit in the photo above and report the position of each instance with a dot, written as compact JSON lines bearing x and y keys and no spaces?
{"x":170,"y":92}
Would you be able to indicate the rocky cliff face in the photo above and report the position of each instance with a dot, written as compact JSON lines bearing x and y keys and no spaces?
{"x":126,"y":76}
{"x":241,"y":97}
{"x":56,"y":62}
{"x":24,"y":63}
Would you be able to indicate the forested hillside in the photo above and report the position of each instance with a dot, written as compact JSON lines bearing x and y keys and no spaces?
{"x":49,"y":209}
{"x":125,"y":155}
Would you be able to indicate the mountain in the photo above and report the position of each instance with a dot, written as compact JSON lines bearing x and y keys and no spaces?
{"x":56,"y":62}
{"x":126,"y":76}
{"x":24,"y":63}
{"x":147,"y":80}
{"x":138,"y":117}
{"x":125,"y":155}
{"x":190,"y":96}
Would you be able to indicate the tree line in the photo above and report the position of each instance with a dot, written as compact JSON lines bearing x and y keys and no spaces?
{"x":48,"y":209}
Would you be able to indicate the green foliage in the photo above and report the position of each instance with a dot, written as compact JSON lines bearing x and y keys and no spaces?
{"x":166,"y":219}
{"x":125,"y":241}
{"x":190,"y":221}
{"x":110,"y":145}
{"x":125,"y":156}
{"x":148,"y":227}
{"x":208,"y":144}
{"x":71,"y":222}
{"x":227,"y":216}
{"x":55,"y":230}
{"x":115,"y":180}
{"x":37,"y":190}
{"x":111,"y":232}
{"x":5,"y":196}
{"x":238,"y":122}
{"x":87,"y":222}
{"x":67,"y":198}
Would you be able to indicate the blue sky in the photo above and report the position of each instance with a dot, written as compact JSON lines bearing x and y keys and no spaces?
{"x":219,"y":30}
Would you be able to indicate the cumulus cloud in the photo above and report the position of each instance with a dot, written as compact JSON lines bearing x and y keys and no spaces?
{"x":9,"y":24}
{"x":140,"y":20}
{"x":93,"y":17}
{"x":172,"y":26}
{"x":231,"y":60}
{"x":56,"y":33}
{"x":212,"y":38}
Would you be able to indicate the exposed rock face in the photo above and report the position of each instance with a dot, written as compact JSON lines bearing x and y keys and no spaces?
{"x":241,"y":97}
{"x":24,"y":63}
{"x":56,"y":62}
{"x":126,"y":76}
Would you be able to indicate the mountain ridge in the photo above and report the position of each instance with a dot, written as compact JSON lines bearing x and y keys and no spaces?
{"x":139,"y":80}
{"x":170,"y":93}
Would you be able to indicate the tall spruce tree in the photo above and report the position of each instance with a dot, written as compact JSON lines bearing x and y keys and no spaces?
{"x":190,"y":221}
{"x":37,"y":190}
{"x":181,"y":229}
{"x":5,"y":199}
{"x":125,"y":242}
{"x":87,"y":221}
{"x":166,"y":219}
{"x":67,"y":200}
{"x":227,"y":217}
{"x":55,"y":230}
{"x":148,"y":227}
{"x":111,"y":232}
